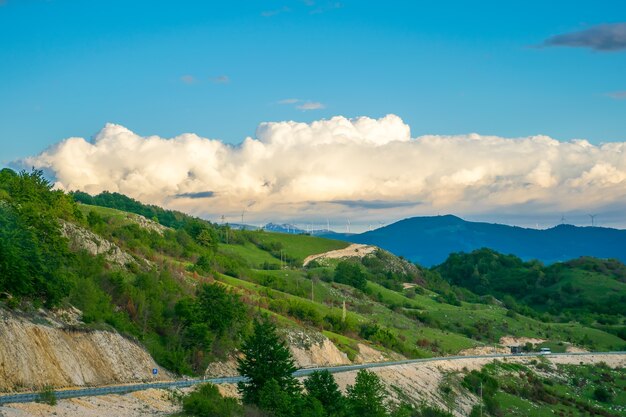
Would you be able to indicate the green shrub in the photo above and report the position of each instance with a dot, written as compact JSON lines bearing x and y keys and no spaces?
{"x":206,"y":401}
{"x":47,"y":396}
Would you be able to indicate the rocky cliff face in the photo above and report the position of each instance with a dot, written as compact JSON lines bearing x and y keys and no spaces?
{"x":46,"y":352}
{"x":81,"y":238}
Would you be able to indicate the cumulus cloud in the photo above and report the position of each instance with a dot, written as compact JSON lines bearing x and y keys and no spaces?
{"x":338,"y":167}
{"x":607,"y":37}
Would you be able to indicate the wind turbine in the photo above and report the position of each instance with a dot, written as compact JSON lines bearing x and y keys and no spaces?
{"x":562,"y":218}
{"x":250,"y":204}
{"x":593,"y":219}
{"x":348,"y":226}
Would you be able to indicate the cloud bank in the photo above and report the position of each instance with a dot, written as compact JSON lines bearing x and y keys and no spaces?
{"x":608,"y":37}
{"x":363,"y":168}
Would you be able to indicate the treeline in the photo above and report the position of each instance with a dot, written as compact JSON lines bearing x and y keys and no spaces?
{"x":121,"y":202}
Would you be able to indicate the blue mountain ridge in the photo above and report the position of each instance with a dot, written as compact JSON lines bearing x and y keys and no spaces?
{"x":429,"y":240}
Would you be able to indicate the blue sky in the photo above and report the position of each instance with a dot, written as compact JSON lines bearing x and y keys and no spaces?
{"x":218,"y":69}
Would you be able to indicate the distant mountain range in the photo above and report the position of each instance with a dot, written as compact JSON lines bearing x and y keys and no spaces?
{"x":429,"y":240}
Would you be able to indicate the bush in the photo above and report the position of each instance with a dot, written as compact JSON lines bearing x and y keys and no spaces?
{"x":207,"y":401}
{"x":602,"y":394}
{"x":47,"y":396}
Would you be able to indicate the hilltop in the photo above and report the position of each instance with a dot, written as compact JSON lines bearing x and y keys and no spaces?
{"x":430,"y":240}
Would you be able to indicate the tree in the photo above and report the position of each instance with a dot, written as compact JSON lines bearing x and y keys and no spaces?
{"x":266,"y":358}
{"x":275,"y":401}
{"x":322,"y":386}
{"x":366,"y":397}
{"x":351,"y":274}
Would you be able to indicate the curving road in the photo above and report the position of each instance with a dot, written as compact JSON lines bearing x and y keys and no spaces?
{"x":123,"y":389}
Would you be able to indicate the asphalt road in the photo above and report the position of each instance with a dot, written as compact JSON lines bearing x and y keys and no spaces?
{"x":123,"y":389}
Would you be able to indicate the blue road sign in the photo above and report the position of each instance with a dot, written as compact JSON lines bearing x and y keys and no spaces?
{"x":155,"y":371}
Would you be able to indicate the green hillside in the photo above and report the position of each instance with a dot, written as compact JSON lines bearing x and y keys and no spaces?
{"x":588,"y":290}
{"x":191,"y":288}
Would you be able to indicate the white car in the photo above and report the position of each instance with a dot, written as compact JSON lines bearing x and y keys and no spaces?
{"x":545,"y":351}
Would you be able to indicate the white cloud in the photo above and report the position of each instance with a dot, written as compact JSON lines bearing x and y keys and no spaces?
{"x":339,"y":167}
{"x":303,"y":105}
{"x":310,"y":105}
{"x":289,"y":101}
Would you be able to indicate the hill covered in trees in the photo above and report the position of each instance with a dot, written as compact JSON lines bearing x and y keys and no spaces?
{"x":588,"y":290}
{"x":430,"y":240}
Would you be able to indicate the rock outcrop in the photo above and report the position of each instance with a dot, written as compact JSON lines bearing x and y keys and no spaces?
{"x":35,"y":354}
{"x":83,"y":239}
{"x":311,"y":349}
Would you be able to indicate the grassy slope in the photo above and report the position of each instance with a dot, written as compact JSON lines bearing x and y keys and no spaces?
{"x":269,"y":288}
{"x":571,"y":388}
{"x":301,"y":246}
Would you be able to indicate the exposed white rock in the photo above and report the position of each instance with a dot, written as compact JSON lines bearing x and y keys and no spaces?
{"x":33,"y":355}
{"x":81,"y":238}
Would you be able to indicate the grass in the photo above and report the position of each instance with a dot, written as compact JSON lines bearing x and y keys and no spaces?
{"x":345,"y":344}
{"x":108,"y":213}
{"x":300,"y":246}
{"x":563,"y":390}
{"x":253,"y":256}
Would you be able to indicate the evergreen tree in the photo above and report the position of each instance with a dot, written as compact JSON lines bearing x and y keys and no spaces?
{"x":366,"y":397}
{"x":321,"y":386}
{"x":352,"y":274}
{"x":266,"y":358}
{"x":277,"y":402}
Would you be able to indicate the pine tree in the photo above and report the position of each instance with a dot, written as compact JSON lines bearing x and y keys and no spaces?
{"x":266,"y":357}
{"x":322,"y":386}
{"x":366,"y":396}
